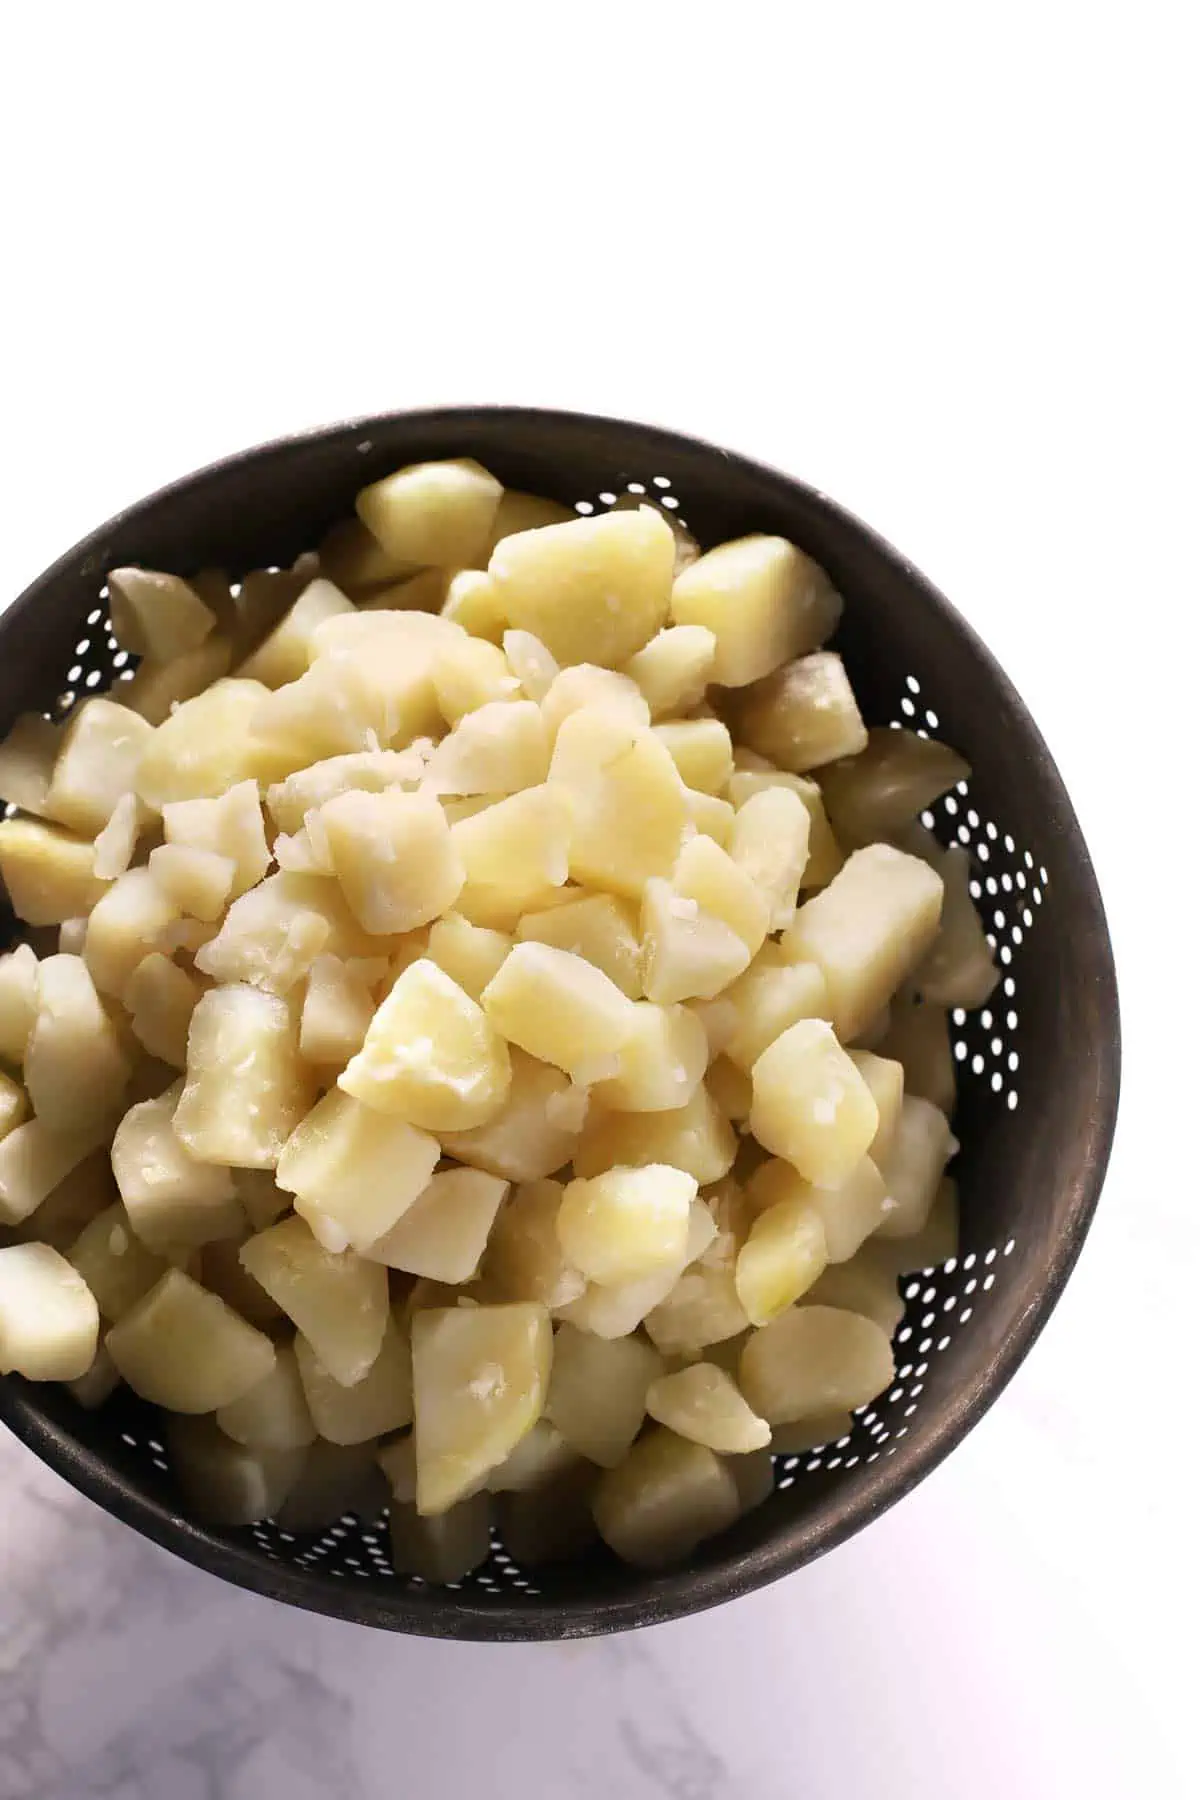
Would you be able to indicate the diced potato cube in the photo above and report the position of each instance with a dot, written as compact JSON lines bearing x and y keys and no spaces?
{"x":228,"y":1483}
{"x":444,"y":1233}
{"x":597,"y":1397}
{"x":701,"y":751}
{"x":49,"y":1322}
{"x":932,"y":1245}
{"x":803,"y":716}
{"x":334,"y":1479}
{"x":469,"y":954}
{"x":628,"y":805}
{"x":75,"y":1070}
{"x":664,"y":1499}
{"x":472,"y":602}
{"x":50,"y":876}
{"x":159,"y":687}
{"x":515,"y":856}
{"x":98,"y":1381}
{"x":379,"y":1402}
{"x":116,"y":1265}
{"x":338,"y":1300}
{"x":115,"y":842}
{"x":530,"y":661}
{"x":434,"y":512}
{"x":170,"y":1198}
{"x":196,"y":882}
{"x":912,"y":1166}
{"x":763,"y":600}
{"x":771,"y":996}
{"x":126,"y":924}
{"x":518,"y":511}
{"x":221,"y":1272}
{"x":205,"y":746}
{"x":14,"y":1105}
{"x":18,"y":1001}
{"x":885,"y":1078}
{"x":431,"y":1055}
{"x":600,"y":928}
{"x":824,"y":855}
{"x":98,"y":762}
{"x":525,"y":1260}
{"x":357,"y":562}
{"x":958,"y":970}
{"x":918,"y":1037}
{"x":395,"y":857}
{"x":888,"y":784}
{"x":848,"y":1214}
{"x":702,"y":1404}
{"x":674,"y":669}
{"x":272,"y":935}
{"x":811,"y":1105}
{"x":626,"y":1223}
{"x":156,"y":615}
{"x":337,"y":1012}
{"x":559,"y":1008}
{"x":246,"y":1088}
{"x":27,"y":757}
{"x":614,"y":1312}
{"x":661,"y":1064}
{"x":228,"y":825}
{"x":541,"y":1454}
{"x":708,"y":875}
{"x":390,"y":633}
{"x":353,"y":1170}
{"x":444,"y":1548}
{"x":771,"y":832}
{"x":694,"y":1138}
{"x":814,"y":1360}
{"x":480,"y":1376}
{"x":811,"y":1434}
{"x":865,"y":1285}
{"x":535,"y":1132}
{"x":587,"y":684}
{"x":34,"y":1159}
{"x":712,"y":817}
{"x":867,"y":931}
{"x":781,"y":1258}
{"x":184,"y":1349}
{"x":499,"y":748}
{"x":594,"y":590}
{"x":703,"y":1307}
{"x":469,"y":673}
{"x":272,"y":1415}
{"x":686,"y":952}
{"x":286,"y":652}
{"x":731,"y":1088}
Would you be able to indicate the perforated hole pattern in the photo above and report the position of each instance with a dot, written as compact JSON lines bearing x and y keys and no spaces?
{"x":943,"y":1304}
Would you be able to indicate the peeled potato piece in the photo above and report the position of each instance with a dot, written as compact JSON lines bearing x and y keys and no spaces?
{"x":626,"y":1223}
{"x":117,"y":1267}
{"x":170,"y":1198}
{"x":444,"y":1548}
{"x":468,"y":673}
{"x":702,"y":1403}
{"x":811,"y":1434}
{"x":469,"y":954}
{"x":229,"y":825}
{"x":394,"y":856}
{"x":888,"y":784}
{"x":514,"y":854}
{"x":928,"y":1248}
{"x":379,"y":1402}
{"x":771,"y":831}
{"x":661,"y":1064}
{"x":825,"y":857}
{"x":75,"y":1069}
{"x":918,"y":1037}
{"x":703,"y":1308}
{"x":358,"y":562}
{"x":197,"y":882}
{"x":912,"y":1166}
{"x":782,"y":1257}
{"x":500,"y":748}
{"x":865,"y":1285}
{"x":434,"y":512}
{"x":98,"y":1381}
{"x":559,"y":1008}
{"x":472,"y":602}
{"x":479,"y":1383}
{"x":127,"y":923}
{"x":246,"y":1089}
{"x":536,"y":1130}
{"x":687,"y":953}
{"x":721,"y":889}
{"x":225,"y":1482}
{"x":155,"y":615}
{"x":273,"y":1414}
{"x":286,"y":652}
{"x":694,"y":1138}
{"x":803,"y":716}
{"x":763,"y":600}
{"x":334,"y":1479}
{"x":354,"y":1170}
{"x":14,"y":1105}
{"x":183,"y":1348}
{"x":159,"y":687}
{"x":18,"y":1001}
{"x":769,"y":997}
{"x":34,"y":1160}
{"x":552,"y":1520}
{"x":49,"y":1321}
{"x":525,"y":1259}
{"x":598,"y":1387}
{"x":50,"y":875}
{"x":337,"y":1013}
{"x":338,"y":1301}
{"x":814,"y":1360}
{"x":664,"y":1499}
{"x":206,"y":745}
{"x":116,"y":841}
{"x":614,"y":1312}
{"x":674,"y":668}
{"x":811,"y":1105}
{"x":97,"y":763}
{"x":27,"y":758}
{"x":628,"y":806}
{"x":701,"y":750}
{"x":431,"y":1054}
{"x":444,"y":1233}
{"x":849,"y":1213}
{"x":586,"y":684}
{"x":959,"y":969}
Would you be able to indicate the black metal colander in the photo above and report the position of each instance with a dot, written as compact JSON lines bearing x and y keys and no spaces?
{"x":1038,"y":1067}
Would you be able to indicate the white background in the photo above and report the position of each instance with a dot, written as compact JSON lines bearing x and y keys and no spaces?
{"x":934,"y":259}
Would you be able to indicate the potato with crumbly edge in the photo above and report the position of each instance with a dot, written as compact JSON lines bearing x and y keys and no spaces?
{"x":628,"y":805}
{"x":49,"y":1321}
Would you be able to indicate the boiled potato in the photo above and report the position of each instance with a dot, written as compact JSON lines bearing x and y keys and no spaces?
{"x":183,"y":1348}
{"x":229,"y":825}
{"x":887,"y":785}
{"x":50,"y":875}
{"x":702,"y":1404}
{"x":379,"y":1402}
{"x":246,"y":1088}
{"x":286,"y":652}
{"x":587,"y":684}
{"x":443,"y":1548}
{"x":811,"y":1434}
{"x":394,"y":856}
{"x":158,"y":688}
{"x":75,"y":1069}
{"x":274,"y":1414}
{"x":469,"y":673}
{"x":197,"y":882}
{"x":530,"y":661}
{"x":552,"y":1521}
{"x":519,"y":511}
{"x":170,"y":1198}
{"x":126,"y":924}
{"x":34,"y":1159}
{"x":435,"y":512}
{"x":614,"y":1312}
{"x":814,"y":1360}
{"x":366,"y":771}
{"x":627,"y":1223}
{"x":782,"y":1256}
{"x":14,"y":1105}
{"x":116,"y":1265}
{"x":525,"y":1259}
{"x":49,"y":1321}
{"x":160,"y":999}
{"x":230,"y":1483}
{"x":115,"y":843}
{"x":357,"y":562}
{"x":205,"y":746}
{"x":472,"y":602}
{"x":514,"y":855}
{"x":18,"y":1001}
{"x":771,"y":995}
{"x":272,"y":935}
{"x":664,"y":1498}
{"x":661,"y":1064}
{"x":480,"y":1376}
{"x":701,"y":750}
{"x":354,"y":1170}
{"x":918,"y":1037}
{"x":885,"y":1078}
{"x":865,"y":1285}
{"x":803,"y":716}
{"x":334,"y":1479}
{"x":706,"y":874}
{"x":704,"y":1307}
{"x":597,"y":1395}
{"x":928,"y":1248}
{"x":712,"y":816}
{"x":687,"y":953}
{"x":337,"y":1012}
{"x":444,"y":1233}
{"x":959,"y":969}
{"x":694,"y":1138}
{"x":541,"y":1454}
{"x":469,"y":954}
{"x":599,"y":927}
{"x":98,"y":1381}
{"x":155,"y":615}
{"x":97,"y":763}
{"x":763,"y":600}
{"x":337,"y":1300}
{"x":217,"y":1267}
{"x":593,"y":590}
{"x":771,"y":831}
{"x":674,"y":668}
{"x":848,"y":1213}
{"x":27,"y":758}
{"x":561,"y":1009}
{"x":922,"y":1144}
{"x":500,"y":748}
{"x":628,"y":807}
{"x":535,"y":1132}
{"x":825,"y":857}
{"x":431,"y":1055}
{"x":811,"y":1105}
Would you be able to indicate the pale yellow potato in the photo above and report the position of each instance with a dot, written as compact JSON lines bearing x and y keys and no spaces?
{"x":592,"y":589}
{"x":514,"y":854}
{"x":535,"y":1132}
{"x":444,"y":1548}
{"x":958,"y":969}
{"x":357,"y":562}
{"x":626,"y":1223}
{"x":695,"y":1138}
{"x":394,"y":856}
{"x":155,"y":615}
{"x":480,"y":1376}
{"x":206,"y":745}
{"x":246,"y":1088}
{"x":170,"y":1198}
{"x":932,"y":1245}
{"x":597,"y":1396}
{"x":116,"y":1265}
{"x":27,"y":758}
{"x":531,"y":662}
{"x":14,"y":1105}
{"x":98,"y":1381}
{"x":849,"y":1213}
{"x":287,"y":651}
{"x":72,"y":934}
{"x":780,"y":1259}
{"x":444,"y":1233}
{"x":500,"y":748}
{"x":865,"y":1285}
{"x":674,"y":668}
{"x":888,"y":784}
{"x":559,"y":1008}
{"x":702,"y":1404}
{"x":75,"y":1069}
{"x":49,"y":1321}
{"x":18,"y":1001}
{"x":885,"y":1078}
{"x":125,"y":925}
{"x":366,"y":771}
{"x":472,"y":602}
{"x":542,"y":1454}
{"x":811,"y":1434}
{"x":687,"y":953}
{"x":115,"y":843}
{"x":525,"y":1260}
{"x":50,"y":875}
{"x":157,"y":688}
{"x":398,"y":1461}
{"x":825,"y":857}
{"x":754,"y":1477}
{"x":661,"y":1064}
{"x":469,"y":954}
{"x":614,"y":1312}
{"x":378,"y":1403}
{"x":913,"y":1164}
{"x":184,"y":1349}
{"x":227,"y":1483}
{"x":196,"y":882}
{"x":712,"y":816}
{"x":338,"y":1300}
{"x":273,"y":1414}
{"x":771,"y":831}
{"x":431,"y":1055}
{"x":811,"y":1105}
{"x":468,"y":673}
{"x":628,"y":806}
{"x":334,"y":1479}
{"x":867,"y":931}
{"x":353,"y":1170}
{"x":707,"y":874}
{"x":587,"y":684}
{"x":703,"y":1308}
{"x":767,"y":999}
{"x":434,"y":512}
{"x":762,"y":599}
{"x":421,"y":593}
{"x":229,"y":825}
{"x":353,"y":697}
{"x":519,"y":511}
{"x":804,"y":716}
{"x":918,"y":1037}
{"x":337,"y":1011}
{"x":814,"y":1360}
{"x":701,"y":750}
{"x":160,"y":999}
{"x":97,"y":763}
{"x":51,"y":1183}
{"x":665,"y":1498}
{"x":271,"y":935}
{"x":731,"y":1088}
{"x":599,"y":927}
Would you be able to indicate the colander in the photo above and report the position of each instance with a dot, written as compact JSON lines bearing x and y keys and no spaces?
{"x":1038,"y":1067}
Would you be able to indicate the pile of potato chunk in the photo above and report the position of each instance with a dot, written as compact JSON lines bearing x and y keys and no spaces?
{"x":482,"y":1026}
